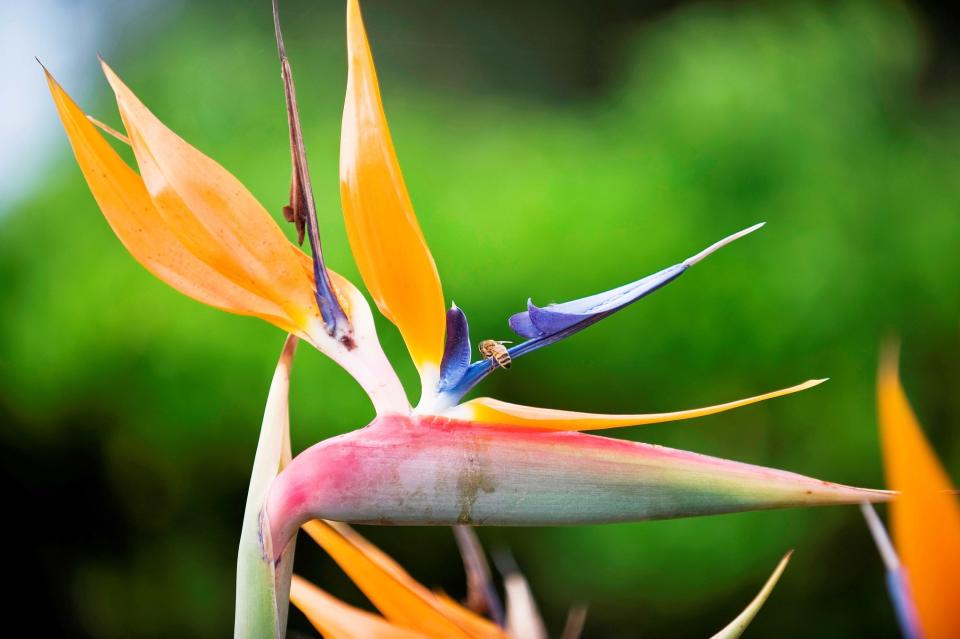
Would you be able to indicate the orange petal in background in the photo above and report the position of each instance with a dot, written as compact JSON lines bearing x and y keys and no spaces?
{"x":386,"y":240}
{"x":925,"y":518}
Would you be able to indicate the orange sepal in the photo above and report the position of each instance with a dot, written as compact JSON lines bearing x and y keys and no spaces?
{"x":194,"y":226}
{"x":925,"y":517}
{"x":338,"y":620}
{"x":212,"y":214}
{"x":385,"y":237}
{"x":485,"y":410}
{"x":401,"y":599}
{"x":131,"y":213}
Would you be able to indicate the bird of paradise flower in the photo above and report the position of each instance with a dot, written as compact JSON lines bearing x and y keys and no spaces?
{"x":444,"y":461}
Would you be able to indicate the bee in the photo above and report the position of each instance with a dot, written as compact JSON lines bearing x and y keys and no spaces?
{"x":496,"y":351}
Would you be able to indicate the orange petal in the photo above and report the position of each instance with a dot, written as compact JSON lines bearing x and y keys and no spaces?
{"x":400,"y":598}
{"x":387,"y":244}
{"x":124,"y":200}
{"x":926,"y":517}
{"x":337,"y":620}
{"x":200,"y":231}
{"x":213,"y":214}
{"x":476,"y":625}
{"x":494,"y":411}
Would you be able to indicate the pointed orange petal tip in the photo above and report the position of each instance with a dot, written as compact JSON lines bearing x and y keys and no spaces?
{"x":385,"y":237}
{"x":925,"y":518}
{"x":484,"y":410}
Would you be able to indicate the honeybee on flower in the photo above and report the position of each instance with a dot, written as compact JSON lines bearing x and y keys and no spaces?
{"x":495,"y":351}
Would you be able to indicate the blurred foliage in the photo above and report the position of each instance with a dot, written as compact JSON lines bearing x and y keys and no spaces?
{"x":131,"y":413}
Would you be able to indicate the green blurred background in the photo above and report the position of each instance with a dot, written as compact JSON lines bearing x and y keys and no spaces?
{"x":552,"y":150}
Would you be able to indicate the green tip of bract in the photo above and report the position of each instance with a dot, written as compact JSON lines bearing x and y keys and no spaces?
{"x":736,"y":627}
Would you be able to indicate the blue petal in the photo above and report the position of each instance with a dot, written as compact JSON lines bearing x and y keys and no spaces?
{"x":456,"y":349}
{"x":522,"y":325}
{"x":541,"y":322}
{"x":552,"y":323}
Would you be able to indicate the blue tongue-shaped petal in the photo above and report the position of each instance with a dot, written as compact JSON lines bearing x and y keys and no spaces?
{"x":540,"y":321}
{"x":456,"y":350}
{"x":542,"y":326}
{"x":522,"y":324}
